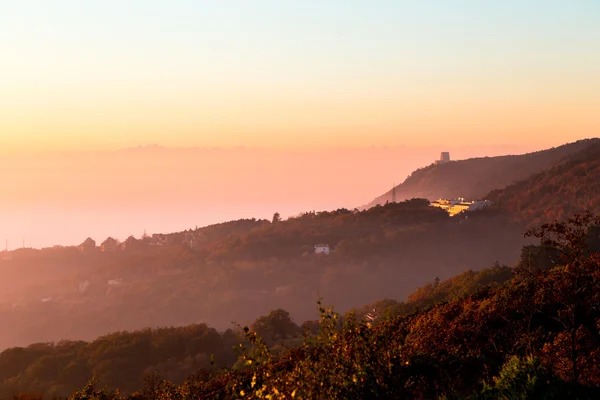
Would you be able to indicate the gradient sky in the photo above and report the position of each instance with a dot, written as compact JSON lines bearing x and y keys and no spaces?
{"x":108,"y":74}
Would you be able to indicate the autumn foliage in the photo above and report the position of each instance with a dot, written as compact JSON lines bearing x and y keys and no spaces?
{"x":530,"y":333}
{"x":572,"y":186}
{"x":534,"y":336}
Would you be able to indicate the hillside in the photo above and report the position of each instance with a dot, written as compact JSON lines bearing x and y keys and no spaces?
{"x":564,"y":189}
{"x":525,"y":332}
{"x":243,"y":269}
{"x":533,"y":337}
{"x":476,"y":177}
{"x":121,"y":359}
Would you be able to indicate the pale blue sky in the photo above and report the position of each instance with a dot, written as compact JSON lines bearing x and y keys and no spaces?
{"x":158,"y":57}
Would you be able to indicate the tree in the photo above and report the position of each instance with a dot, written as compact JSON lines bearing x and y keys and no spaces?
{"x":571,"y":292}
{"x":152,"y":385}
{"x":276,"y":218}
{"x":277,"y":325}
{"x":91,"y":392}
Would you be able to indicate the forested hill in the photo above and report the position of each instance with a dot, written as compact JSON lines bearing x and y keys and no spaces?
{"x":528,"y":332}
{"x":476,"y":177}
{"x":564,"y":189}
{"x":122,"y":359}
{"x":241,"y":270}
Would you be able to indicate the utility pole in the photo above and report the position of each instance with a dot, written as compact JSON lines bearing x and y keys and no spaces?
{"x":394,"y":193}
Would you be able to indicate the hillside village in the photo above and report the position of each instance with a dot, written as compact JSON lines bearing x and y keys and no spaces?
{"x":240,"y":268}
{"x":460,"y":205}
{"x":196,"y":241}
{"x":195,"y":238}
{"x":190,"y":238}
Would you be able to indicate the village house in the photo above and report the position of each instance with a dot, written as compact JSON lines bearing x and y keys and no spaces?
{"x":130,"y":244}
{"x":159,"y":239}
{"x":190,"y":239}
{"x":88,"y":245}
{"x":322,"y":248}
{"x":445,"y":204}
{"x":109,"y":245}
{"x":194,"y":239}
{"x":460,"y":205}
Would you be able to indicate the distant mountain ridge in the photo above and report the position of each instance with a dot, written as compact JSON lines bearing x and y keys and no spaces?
{"x":474,"y":178}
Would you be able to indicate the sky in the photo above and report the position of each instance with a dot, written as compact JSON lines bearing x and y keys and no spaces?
{"x":313,"y":73}
{"x":286,"y":106}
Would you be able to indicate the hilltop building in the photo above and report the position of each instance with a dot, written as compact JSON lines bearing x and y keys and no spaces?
{"x":457,"y":206}
{"x":444,"y":158}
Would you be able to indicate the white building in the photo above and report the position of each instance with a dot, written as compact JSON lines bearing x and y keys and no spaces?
{"x":115,"y":282}
{"x":322,"y":248}
{"x":446,"y":204}
{"x":457,"y":206}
